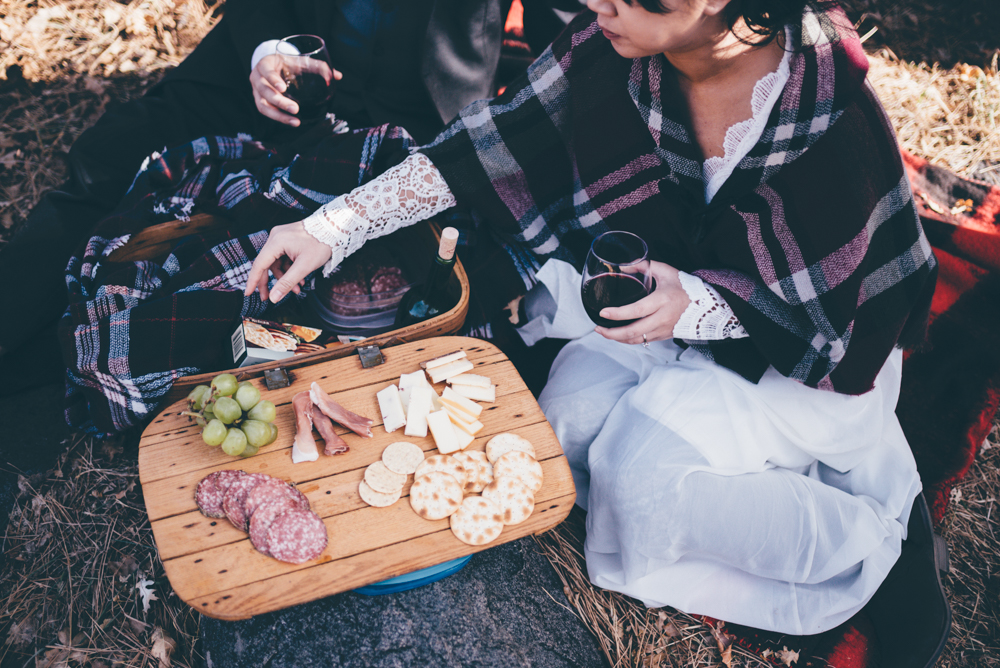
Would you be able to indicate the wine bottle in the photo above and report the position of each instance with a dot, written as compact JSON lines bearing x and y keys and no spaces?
{"x":431,"y":298}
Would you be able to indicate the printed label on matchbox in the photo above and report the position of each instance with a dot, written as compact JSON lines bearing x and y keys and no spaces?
{"x":256,"y":341}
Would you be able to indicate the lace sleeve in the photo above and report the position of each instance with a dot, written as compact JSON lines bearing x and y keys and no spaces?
{"x":708,"y":317}
{"x":412,"y":191}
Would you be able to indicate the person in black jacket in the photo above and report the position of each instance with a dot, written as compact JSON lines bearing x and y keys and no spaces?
{"x":413,"y":63}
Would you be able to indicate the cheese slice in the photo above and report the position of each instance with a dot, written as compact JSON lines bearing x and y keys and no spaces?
{"x":487,"y":394}
{"x":470,"y":379}
{"x":444,"y":434}
{"x":471,"y":428}
{"x":392,"y":408}
{"x":420,"y":406}
{"x":442,"y":373}
{"x":407,"y":382}
{"x":443,"y":360}
{"x":450,"y":396}
{"x":464,"y":439}
{"x":459,"y":414}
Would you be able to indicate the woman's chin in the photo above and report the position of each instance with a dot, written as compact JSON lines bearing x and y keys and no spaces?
{"x":627,"y":50}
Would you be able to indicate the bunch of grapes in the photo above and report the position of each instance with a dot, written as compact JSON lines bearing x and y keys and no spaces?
{"x":233,"y":415}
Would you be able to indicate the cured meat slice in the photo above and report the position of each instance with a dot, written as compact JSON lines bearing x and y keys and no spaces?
{"x":270,"y":490}
{"x":264,"y":516}
{"x":235,"y":499}
{"x":226,"y":478}
{"x":335,"y":445}
{"x":296,"y":536}
{"x":304,"y":445}
{"x":209,"y":497}
{"x":359,"y":425}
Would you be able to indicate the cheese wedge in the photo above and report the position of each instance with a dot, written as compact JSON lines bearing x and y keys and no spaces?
{"x":487,"y":394}
{"x":450,"y":396}
{"x":443,"y":360}
{"x":470,"y":379}
{"x":391,"y":408}
{"x":416,"y":415}
{"x":442,"y":373}
{"x":444,"y":434}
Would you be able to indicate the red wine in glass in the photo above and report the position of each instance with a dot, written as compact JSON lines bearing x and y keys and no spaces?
{"x":308,"y":75}
{"x":616,"y":273}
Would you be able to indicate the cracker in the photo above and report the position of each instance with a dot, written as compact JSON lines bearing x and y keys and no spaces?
{"x":381,"y":479}
{"x":501,"y":444}
{"x":377,"y":499}
{"x":477,"y":522}
{"x":402,"y":457}
{"x":522,"y":466}
{"x":479,"y":469}
{"x":515,"y":500}
{"x":444,"y":463}
{"x":435,"y":495}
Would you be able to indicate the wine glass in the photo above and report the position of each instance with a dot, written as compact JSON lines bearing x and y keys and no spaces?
{"x":616,"y":273}
{"x":308,"y":74}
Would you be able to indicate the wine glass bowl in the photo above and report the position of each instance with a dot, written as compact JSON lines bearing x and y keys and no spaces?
{"x":616,"y":273}
{"x":307,"y":73}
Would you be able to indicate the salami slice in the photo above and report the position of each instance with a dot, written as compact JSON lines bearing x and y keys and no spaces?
{"x":234,"y":502}
{"x":212,"y":490}
{"x":264,"y":516}
{"x":297,"y":536}
{"x":273,"y":489}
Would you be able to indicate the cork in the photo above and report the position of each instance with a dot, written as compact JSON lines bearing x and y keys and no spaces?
{"x":449,"y":238}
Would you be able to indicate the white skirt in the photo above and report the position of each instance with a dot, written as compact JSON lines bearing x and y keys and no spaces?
{"x":771,"y":505}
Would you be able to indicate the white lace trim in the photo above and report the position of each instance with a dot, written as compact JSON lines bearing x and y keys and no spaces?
{"x":412,"y":191}
{"x":742,"y":136}
{"x":708,"y":317}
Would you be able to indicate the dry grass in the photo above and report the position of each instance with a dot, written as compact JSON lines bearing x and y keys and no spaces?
{"x":79,"y":541}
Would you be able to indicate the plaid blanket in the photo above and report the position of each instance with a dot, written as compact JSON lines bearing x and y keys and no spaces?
{"x":813,"y":240}
{"x":133,"y":328}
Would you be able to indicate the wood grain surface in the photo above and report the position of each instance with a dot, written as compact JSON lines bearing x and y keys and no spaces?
{"x":214,"y":568}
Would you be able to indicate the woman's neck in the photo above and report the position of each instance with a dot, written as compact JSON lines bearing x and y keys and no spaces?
{"x":719,"y":62}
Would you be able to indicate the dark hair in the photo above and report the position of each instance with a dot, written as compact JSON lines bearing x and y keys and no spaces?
{"x":765,"y":18}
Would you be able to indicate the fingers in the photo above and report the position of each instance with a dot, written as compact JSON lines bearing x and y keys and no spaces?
{"x":648,"y":305}
{"x":268,"y":85}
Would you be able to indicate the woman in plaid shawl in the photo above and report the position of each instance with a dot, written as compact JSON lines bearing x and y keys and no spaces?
{"x":736,"y":447}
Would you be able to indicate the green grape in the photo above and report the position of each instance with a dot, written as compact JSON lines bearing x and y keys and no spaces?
{"x":200,"y":421}
{"x":209,"y":415}
{"x":263,"y":411}
{"x":227,"y":410}
{"x":214,"y":434}
{"x":247,"y":396}
{"x":274,"y":432}
{"x":250,"y":451}
{"x":257,"y":432}
{"x":225,"y":383}
{"x":235,"y":442}
{"x":198,"y":397}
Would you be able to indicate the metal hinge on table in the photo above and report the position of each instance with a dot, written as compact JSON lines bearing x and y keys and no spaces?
{"x":370,"y":356}
{"x":276,"y":379}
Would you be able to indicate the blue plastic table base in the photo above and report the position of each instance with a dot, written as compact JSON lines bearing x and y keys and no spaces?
{"x":415,"y":579}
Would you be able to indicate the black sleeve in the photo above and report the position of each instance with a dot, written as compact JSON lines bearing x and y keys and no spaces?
{"x":250,"y":22}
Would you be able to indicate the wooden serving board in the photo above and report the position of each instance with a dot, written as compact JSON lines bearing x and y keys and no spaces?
{"x":213,"y":567}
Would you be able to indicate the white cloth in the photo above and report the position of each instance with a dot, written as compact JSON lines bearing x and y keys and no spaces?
{"x":410,"y":192}
{"x":771,"y":505}
{"x":268,"y":48}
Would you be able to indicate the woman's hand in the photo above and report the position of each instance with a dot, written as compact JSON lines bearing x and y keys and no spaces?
{"x":657,"y":312}
{"x":268,"y":87}
{"x":291,"y":254}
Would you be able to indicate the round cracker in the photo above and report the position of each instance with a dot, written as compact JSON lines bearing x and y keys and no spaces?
{"x":378,"y":499}
{"x":522,"y":466}
{"x":479,"y":469}
{"x":381,"y":479}
{"x":402,"y":457}
{"x":477,"y":522}
{"x":445,"y":464}
{"x":435,"y":495}
{"x":515,"y":500}
{"x":501,"y":444}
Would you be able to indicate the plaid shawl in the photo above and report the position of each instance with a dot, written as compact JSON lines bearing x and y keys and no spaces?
{"x":133,"y":328}
{"x":813,"y":240}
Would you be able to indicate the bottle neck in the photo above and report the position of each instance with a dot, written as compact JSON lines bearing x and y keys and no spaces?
{"x":436,"y":288}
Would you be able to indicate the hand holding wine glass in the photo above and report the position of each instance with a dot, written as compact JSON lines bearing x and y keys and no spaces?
{"x":296,"y":82}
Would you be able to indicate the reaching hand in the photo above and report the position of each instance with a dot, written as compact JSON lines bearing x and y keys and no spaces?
{"x":268,"y":87}
{"x":657,"y":312}
{"x":291,"y":254}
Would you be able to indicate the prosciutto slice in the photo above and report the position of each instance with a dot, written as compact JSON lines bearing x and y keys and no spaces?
{"x":359,"y":425}
{"x":335,"y":445}
{"x":304,"y":446}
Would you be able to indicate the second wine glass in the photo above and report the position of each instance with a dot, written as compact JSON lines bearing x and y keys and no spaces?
{"x":616,"y":273}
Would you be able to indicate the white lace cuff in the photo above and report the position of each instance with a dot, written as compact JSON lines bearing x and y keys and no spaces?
{"x":412,"y":191}
{"x":708,"y":317}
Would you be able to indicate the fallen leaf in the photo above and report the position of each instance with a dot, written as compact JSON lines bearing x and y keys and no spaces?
{"x":725,"y":641}
{"x":124,"y":568}
{"x":146,"y":593}
{"x":163,"y":647}
{"x":21,"y":633}
{"x":787,"y":656}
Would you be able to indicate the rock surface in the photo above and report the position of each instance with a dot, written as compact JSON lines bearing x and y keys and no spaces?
{"x":497,"y":611}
